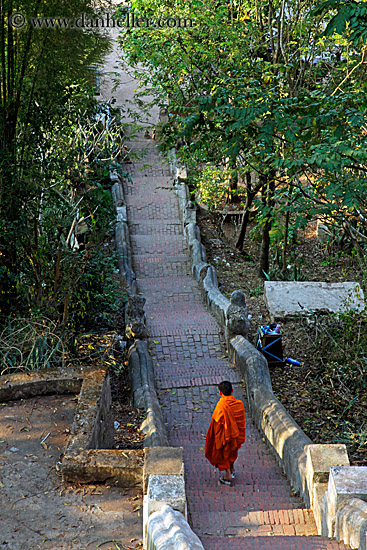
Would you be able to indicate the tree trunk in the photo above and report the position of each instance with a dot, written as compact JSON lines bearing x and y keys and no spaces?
{"x":233,"y":175}
{"x":268,"y":199}
{"x":285,"y":246}
{"x":250,"y":195}
{"x":264,"y":251}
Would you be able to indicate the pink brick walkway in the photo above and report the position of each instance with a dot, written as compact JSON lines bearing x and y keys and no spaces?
{"x":260,"y":511}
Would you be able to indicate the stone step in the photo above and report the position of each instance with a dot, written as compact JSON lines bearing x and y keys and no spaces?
{"x":273,"y":542}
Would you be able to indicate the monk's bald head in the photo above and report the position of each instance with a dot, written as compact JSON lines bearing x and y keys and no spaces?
{"x":225,"y":387}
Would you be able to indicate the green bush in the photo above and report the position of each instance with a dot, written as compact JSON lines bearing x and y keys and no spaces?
{"x":210,"y":186}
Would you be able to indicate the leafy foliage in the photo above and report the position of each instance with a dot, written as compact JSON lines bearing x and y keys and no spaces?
{"x":57,"y":147}
{"x":264,"y":90}
{"x":37,"y":94}
{"x":210,"y":186}
{"x":350,"y":18}
{"x":339,"y":370}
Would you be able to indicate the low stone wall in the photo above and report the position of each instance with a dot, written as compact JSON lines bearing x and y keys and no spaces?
{"x":122,"y":237}
{"x":117,"y":467}
{"x":92,"y":425}
{"x":88,"y":456}
{"x":43,"y":382}
{"x":308,"y":466}
{"x":145,"y":396}
{"x":140,"y":364}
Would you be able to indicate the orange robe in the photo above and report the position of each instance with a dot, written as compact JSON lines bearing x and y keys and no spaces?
{"x":226,"y":432}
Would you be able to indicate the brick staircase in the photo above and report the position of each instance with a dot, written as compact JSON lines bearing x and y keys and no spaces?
{"x":260,"y":511}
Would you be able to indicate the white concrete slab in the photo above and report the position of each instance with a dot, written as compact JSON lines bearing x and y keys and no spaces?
{"x":286,"y":299}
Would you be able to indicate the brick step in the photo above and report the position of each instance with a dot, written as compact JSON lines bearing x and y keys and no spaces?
{"x":232,"y":517}
{"x":248,"y":518}
{"x":244,"y":484}
{"x":157,"y":267}
{"x":158,"y":199}
{"x":147,"y":208}
{"x":257,"y":530}
{"x":167,"y":296}
{"x":267,"y":542}
{"x":179,"y":259}
{"x":158,"y":179}
{"x":148,"y":212}
{"x":154,"y":317}
{"x":188,"y":328}
{"x":167,"y":283}
{"x":149,"y":246}
{"x":249,"y":477}
{"x":185,"y":381}
{"x":243,"y":490}
{"x":169,"y":303}
{"x":158,"y":241}
{"x":154,"y":230}
{"x":243,"y":501}
{"x":181,"y":362}
{"x":274,"y":511}
{"x":161,"y":328}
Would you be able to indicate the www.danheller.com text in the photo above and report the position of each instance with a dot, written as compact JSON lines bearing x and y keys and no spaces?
{"x":129,"y":20}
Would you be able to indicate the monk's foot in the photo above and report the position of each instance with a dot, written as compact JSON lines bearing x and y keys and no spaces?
{"x":232,"y":471}
{"x":225,"y":481}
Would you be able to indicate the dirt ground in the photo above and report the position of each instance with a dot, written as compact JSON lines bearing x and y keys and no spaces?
{"x":38,"y":510}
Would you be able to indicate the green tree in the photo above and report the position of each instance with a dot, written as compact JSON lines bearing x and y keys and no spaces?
{"x":259,"y":85}
{"x":37,"y":67}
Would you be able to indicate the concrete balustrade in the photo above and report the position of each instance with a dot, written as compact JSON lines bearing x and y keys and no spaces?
{"x":168,"y":530}
{"x":320,"y":458}
{"x":345,"y":505}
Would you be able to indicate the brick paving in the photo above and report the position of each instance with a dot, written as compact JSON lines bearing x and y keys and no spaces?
{"x":260,"y":511}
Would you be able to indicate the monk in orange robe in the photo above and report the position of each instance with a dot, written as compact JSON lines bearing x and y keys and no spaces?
{"x":226,"y":433}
